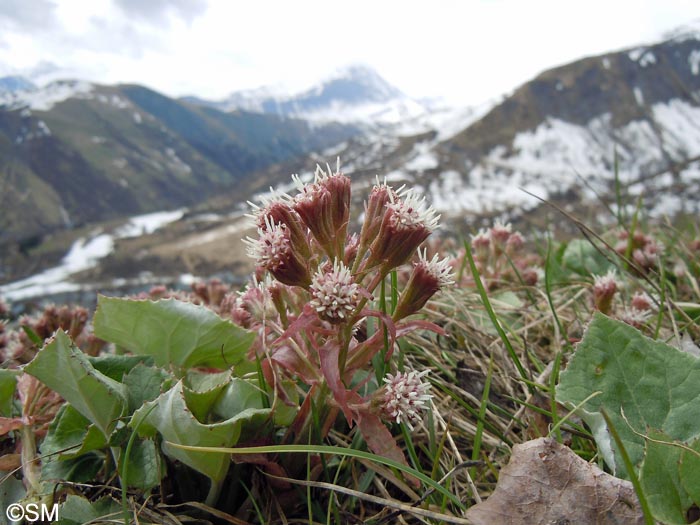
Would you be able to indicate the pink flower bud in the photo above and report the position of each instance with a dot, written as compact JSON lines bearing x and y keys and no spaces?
{"x":379,"y":197}
{"x":407,"y":222}
{"x":481,"y":246}
{"x":324,"y":206}
{"x":604,"y":289}
{"x":427,"y":278}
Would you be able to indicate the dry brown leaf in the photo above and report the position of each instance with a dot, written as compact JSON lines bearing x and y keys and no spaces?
{"x":545,"y":483}
{"x":10,"y":462}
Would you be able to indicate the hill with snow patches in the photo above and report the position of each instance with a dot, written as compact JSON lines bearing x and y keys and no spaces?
{"x":72,"y":153}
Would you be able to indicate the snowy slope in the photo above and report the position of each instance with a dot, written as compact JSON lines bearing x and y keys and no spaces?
{"x":43,"y":99}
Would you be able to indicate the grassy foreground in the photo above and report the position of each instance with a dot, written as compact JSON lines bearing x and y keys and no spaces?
{"x":113,"y":433}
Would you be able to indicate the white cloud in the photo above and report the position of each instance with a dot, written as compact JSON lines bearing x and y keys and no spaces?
{"x":471,"y":50}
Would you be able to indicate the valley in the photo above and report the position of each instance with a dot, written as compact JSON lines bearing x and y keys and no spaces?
{"x":598,"y":137}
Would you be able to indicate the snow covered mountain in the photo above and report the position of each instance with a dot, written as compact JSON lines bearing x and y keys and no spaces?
{"x":354,"y":94}
{"x":558,"y":137}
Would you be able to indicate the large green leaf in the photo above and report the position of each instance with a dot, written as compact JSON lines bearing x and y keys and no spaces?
{"x":64,"y":368}
{"x":173,"y":332}
{"x":643,"y":384}
{"x":170,"y":416}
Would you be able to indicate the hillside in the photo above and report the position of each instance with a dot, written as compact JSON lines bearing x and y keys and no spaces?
{"x":560,"y":137}
{"x":73,"y":153}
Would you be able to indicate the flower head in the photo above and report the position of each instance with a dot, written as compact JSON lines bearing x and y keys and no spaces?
{"x":410,"y":211}
{"x":335,"y":295}
{"x":405,"y":396}
{"x":274,"y":252}
{"x":604,"y":289}
{"x":375,"y":207}
{"x":635,"y":317}
{"x":427,"y":278}
{"x":324,"y":206}
{"x":276,"y":209}
{"x":406,"y":223}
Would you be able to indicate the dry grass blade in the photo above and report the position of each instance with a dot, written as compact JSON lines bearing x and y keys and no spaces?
{"x":379,"y":501}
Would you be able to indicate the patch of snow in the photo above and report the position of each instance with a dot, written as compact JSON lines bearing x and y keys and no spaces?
{"x":177,"y":162}
{"x":422,"y":158}
{"x":558,"y":156}
{"x":393,"y":111}
{"x":643,"y":56}
{"x":680,"y":124}
{"x":43,"y":99}
{"x":694,"y":61}
{"x":638,"y":96}
{"x":84,"y":254}
{"x":148,"y":223}
{"x":137,"y":117}
{"x":606,"y":63}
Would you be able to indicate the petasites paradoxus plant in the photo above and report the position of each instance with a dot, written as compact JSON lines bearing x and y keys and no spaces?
{"x":650,"y":392}
{"x":315,"y":307}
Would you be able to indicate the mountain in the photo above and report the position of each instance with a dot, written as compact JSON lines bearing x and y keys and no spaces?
{"x":74,"y":153}
{"x":558,"y":136}
{"x":561,"y":136}
{"x":562,"y":132}
{"x":353,"y":94}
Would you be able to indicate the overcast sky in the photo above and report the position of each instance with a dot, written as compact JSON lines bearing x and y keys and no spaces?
{"x":468,"y":51}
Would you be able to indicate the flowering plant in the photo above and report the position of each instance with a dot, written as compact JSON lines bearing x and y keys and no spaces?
{"x":313,"y":304}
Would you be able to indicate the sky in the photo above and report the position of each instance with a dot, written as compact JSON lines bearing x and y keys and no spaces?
{"x":467,"y":51}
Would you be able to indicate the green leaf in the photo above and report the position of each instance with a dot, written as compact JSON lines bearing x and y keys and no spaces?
{"x":68,"y":446}
{"x":202,"y":389}
{"x":117,"y":366}
{"x":656,"y":385}
{"x":238,"y":396}
{"x":242,"y":394}
{"x":660,"y":480}
{"x":173,"y":332}
{"x":8,"y":382}
{"x":145,"y":470}
{"x":145,"y":383}
{"x":581,"y":257}
{"x":175,"y":422}
{"x":690,"y":471}
{"x":77,"y":510}
{"x":82,"y":469}
{"x":64,"y":368}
